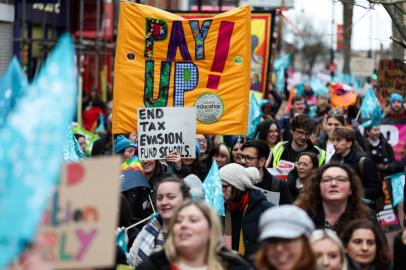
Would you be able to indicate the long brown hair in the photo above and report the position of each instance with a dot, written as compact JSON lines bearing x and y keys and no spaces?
{"x":382,"y":258}
{"x":310,"y":200}
{"x":307,"y":260}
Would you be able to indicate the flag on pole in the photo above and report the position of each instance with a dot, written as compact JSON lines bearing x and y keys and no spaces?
{"x":213,"y":190}
{"x":254,"y":116}
{"x":31,"y":149}
{"x":371,"y":109}
{"x":12,"y":85}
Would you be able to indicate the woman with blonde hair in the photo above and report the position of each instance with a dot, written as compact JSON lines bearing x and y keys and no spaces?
{"x":328,"y":249}
{"x":194,"y":242}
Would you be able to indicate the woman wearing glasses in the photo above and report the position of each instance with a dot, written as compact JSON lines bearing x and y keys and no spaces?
{"x":334,"y":197}
{"x":269,"y":132}
{"x":305,"y":166}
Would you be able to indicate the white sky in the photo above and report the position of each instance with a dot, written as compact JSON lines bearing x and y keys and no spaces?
{"x":369,"y":29}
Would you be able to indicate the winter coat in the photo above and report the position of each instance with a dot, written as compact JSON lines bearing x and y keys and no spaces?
{"x":159,"y":261}
{"x":257,"y":204}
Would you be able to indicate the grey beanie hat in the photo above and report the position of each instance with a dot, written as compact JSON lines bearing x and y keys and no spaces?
{"x":239,"y":177}
{"x":286,"y":221}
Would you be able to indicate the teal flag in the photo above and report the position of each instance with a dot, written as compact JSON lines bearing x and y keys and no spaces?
{"x":398,"y":183}
{"x":371,"y":109}
{"x":280,"y":65}
{"x":213,"y":190}
{"x":12,"y":84}
{"x":254,"y":116}
{"x":31,"y":149}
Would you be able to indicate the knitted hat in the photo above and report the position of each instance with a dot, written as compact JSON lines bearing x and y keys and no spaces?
{"x":396,"y":97}
{"x":239,"y":177}
{"x":286,"y":221}
{"x":122,"y":143}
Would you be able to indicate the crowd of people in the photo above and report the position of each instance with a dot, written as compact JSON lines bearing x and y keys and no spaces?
{"x":303,"y":193}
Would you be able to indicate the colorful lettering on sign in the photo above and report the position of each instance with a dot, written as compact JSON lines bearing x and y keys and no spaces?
{"x":162,"y":99}
{"x":186,"y":78}
{"x":60,"y":215}
{"x":177,"y":40}
{"x":220,"y":57}
{"x":186,"y":73}
{"x":155,"y":30}
{"x":56,"y":245}
{"x":200,"y":35}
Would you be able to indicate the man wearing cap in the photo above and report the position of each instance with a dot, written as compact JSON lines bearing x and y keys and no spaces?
{"x":244,"y":204}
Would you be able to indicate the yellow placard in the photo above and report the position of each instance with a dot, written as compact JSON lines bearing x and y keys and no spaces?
{"x":164,"y":60}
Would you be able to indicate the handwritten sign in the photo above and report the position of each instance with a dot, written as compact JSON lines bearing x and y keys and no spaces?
{"x":164,"y":60}
{"x":78,"y":226}
{"x":162,"y":130}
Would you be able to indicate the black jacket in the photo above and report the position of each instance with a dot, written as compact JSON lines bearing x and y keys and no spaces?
{"x":102,"y":146}
{"x":369,"y":175}
{"x":399,"y":251}
{"x":158,"y":261}
{"x":257,"y":204}
{"x":293,"y":190}
{"x":381,"y":154}
{"x":272,"y":183}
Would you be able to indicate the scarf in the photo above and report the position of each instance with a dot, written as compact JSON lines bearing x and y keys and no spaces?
{"x":236,"y":206}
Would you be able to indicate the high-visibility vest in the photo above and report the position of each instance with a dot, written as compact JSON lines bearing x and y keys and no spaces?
{"x":278,"y":149}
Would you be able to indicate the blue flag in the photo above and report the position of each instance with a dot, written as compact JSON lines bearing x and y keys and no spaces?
{"x":398,"y":183}
{"x":280,"y":65}
{"x":254,"y":116}
{"x":31,"y":149}
{"x":371,"y":109}
{"x":213,"y":190}
{"x":12,"y":84}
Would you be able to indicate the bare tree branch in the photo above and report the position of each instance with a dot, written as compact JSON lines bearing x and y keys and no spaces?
{"x":387,"y":2}
{"x":398,"y":22}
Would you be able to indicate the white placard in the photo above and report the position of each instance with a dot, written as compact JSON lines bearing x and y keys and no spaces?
{"x":162,"y":130}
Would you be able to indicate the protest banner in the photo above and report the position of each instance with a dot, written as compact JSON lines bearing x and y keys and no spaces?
{"x":78,"y":226}
{"x":392,"y":77}
{"x":164,"y":60}
{"x":262,"y":27}
{"x":394,"y":131}
{"x":162,"y":130}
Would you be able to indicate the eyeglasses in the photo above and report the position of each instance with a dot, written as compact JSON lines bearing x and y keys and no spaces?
{"x":339,"y":180}
{"x":303,"y":133}
{"x":302,"y":164}
{"x":201,"y":140}
{"x":246,"y":158}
